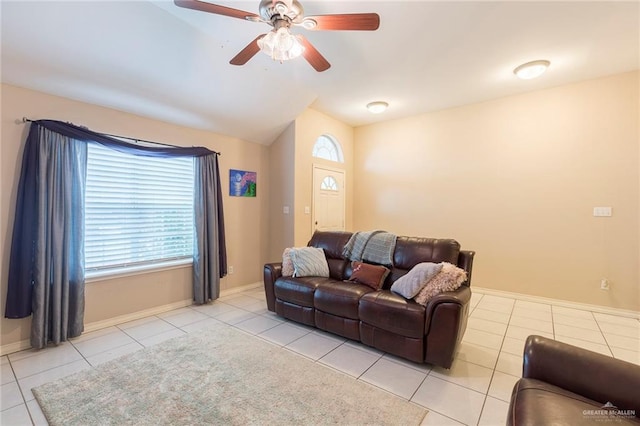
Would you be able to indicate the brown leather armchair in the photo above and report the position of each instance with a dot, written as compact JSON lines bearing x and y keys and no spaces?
{"x":565,"y":385}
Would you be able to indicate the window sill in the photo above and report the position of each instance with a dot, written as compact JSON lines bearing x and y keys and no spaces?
{"x":136,"y":270}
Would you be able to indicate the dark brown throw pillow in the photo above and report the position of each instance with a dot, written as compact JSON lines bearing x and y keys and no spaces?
{"x":371,"y":275}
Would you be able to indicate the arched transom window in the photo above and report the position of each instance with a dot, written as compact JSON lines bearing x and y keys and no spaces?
{"x":328,"y":148}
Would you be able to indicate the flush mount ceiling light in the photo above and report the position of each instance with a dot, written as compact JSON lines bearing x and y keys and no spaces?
{"x":377,"y":107}
{"x":531,"y":69}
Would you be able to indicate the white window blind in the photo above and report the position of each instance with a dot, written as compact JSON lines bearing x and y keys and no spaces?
{"x":139,"y":210}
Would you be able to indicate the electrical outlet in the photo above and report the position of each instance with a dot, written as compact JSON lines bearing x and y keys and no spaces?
{"x":230,"y":270}
{"x":604,"y":284}
{"x":602,"y":211}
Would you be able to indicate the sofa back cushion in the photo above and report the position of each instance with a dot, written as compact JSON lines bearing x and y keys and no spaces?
{"x":413,"y":250}
{"x":408,"y":253}
{"x":332,"y":243}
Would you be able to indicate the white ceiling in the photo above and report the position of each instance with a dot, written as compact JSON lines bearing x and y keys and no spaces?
{"x":158,"y":60}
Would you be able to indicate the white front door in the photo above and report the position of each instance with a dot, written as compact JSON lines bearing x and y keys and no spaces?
{"x":328,"y":199}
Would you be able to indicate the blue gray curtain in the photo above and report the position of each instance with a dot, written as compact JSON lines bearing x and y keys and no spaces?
{"x":51,"y":236}
{"x":209,"y":259}
{"x":46,"y":267}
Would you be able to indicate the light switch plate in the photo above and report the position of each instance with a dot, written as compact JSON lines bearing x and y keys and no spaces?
{"x":285,"y":210}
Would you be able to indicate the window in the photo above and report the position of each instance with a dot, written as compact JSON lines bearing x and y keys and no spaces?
{"x":328,"y":148}
{"x":139,"y":210}
{"x":329,"y":184}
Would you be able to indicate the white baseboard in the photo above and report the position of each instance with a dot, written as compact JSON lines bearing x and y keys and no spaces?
{"x":121,"y":319}
{"x":10,"y":348}
{"x":98,"y":325}
{"x":234,"y":290}
{"x":567,"y":304}
{"x":110,"y":322}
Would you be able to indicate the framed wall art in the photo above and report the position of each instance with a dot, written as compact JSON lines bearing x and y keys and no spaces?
{"x":242,"y":183}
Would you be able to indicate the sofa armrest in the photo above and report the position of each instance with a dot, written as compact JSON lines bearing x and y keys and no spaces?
{"x":445,"y":323}
{"x":590,"y":374}
{"x":272,"y":271}
{"x":461,"y":296}
{"x":465,"y":261}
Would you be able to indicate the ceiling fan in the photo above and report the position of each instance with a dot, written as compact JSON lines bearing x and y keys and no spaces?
{"x":280,"y":43}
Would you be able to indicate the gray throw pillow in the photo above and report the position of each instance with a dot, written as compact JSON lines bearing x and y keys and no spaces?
{"x":309,"y":262}
{"x":412,"y":282}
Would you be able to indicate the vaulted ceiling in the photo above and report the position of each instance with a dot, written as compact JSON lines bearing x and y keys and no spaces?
{"x":157,"y":60}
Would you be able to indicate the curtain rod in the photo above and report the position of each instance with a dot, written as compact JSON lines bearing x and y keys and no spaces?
{"x":28,"y":120}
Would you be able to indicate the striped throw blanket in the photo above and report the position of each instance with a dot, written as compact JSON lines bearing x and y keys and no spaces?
{"x":371,"y":246}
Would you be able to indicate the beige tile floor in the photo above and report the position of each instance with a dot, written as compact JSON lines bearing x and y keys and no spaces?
{"x":475,"y":391}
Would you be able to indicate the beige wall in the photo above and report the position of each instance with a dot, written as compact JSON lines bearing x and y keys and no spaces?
{"x":516,"y":179}
{"x":309,"y":126}
{"x":282,"y":167}
{"x":246,"y":219}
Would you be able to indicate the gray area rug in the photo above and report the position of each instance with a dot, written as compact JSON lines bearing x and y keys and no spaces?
{"x":221,"y":377}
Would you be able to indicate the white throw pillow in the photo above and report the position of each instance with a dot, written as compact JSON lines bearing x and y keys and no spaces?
{"x":309,"y":262}
{"x":412,"y":282}
{"x":287,"y":263}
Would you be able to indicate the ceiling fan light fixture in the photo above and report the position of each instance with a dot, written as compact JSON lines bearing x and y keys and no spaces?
{"x":377,"y":107}
{"x":281,"y":8}
{"x":309,"y":23}
{"x":281,"y":45}
{"x":531,"y":69}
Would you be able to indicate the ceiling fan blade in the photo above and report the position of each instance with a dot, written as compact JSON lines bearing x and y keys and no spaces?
{"x":343,"y":22}
{"x":311,"y":54}
{"x":217,"y":9}
{"x":247,"y":53}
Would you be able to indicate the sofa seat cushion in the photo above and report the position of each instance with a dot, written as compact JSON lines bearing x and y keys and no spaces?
{"x":539,"y":403}
{"x":391,"y":312}
{"x":340,"y":298}
{"x":298,"y":290}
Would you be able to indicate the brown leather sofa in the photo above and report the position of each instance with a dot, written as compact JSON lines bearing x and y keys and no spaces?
{"x":566,"y":385}
{"x":378,"y":318}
